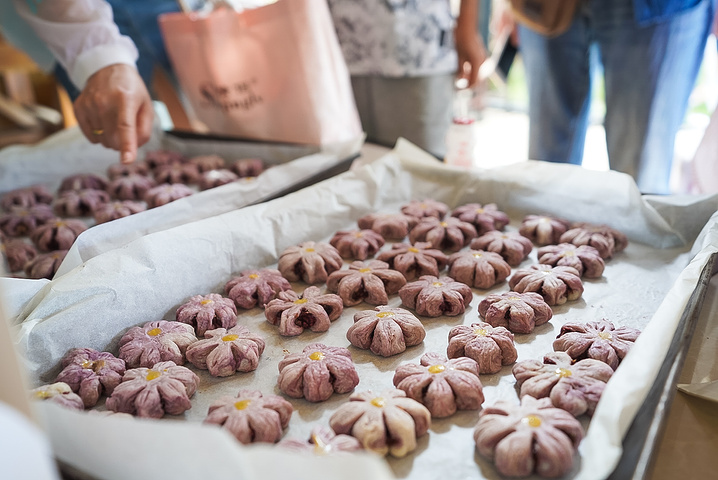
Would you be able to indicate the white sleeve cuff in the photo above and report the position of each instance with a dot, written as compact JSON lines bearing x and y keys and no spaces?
{"x":99,"y":57}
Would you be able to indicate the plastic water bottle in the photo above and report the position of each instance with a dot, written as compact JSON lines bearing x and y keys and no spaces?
{"x":461,"y":137}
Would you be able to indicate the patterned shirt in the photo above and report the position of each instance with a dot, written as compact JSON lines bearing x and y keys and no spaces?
{"x":395,"y":38}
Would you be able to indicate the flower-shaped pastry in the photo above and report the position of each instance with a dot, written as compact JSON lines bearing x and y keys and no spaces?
{"x":17,"y":253}
{"x":371,"y":281}
{"x":154,"y":342}
{"x":385,"y":331}
{"x":425,"y":208}
{"x":20,"y":221}
{"x":207,"y":312}
{"x":150,"y":393}
{"x":206,"y":163}
{"x":251,"y":417}
{"x":224,"y":352}
{"x":543,"y":229}
{"x":91,"y":373}
{"x":80,"y":203}
{"x":45,"y":265}
{"x":323,"y":441}
{"x":82,"y":181}
{"x":58,"y":234}
{"x":451,"y":234}
{"x":311,"y":262}
{"x":177,"y":173}
{"x":603,"y":238}
{"x":131,"y":187}
{"x":26,"y":197}
{"x":585,"y":259}
{"x":393,"y":226}
{"x":59,"y":393}
{"x":248,"y":167}
{"x":122,"y":170}
{"x":158,"y":158}
{"x":485,"y":218}
{"x":534,"y":437}
{"x":510,"y":245}
{"x":114,"y":210}
{"x":442,"y":385}
{"x":256,"y":287}
{"x":433,"y":297}
{"x":317,"y":372}
{"x":519,"y":312}
{"x":479,"y":269}
{"x":414,"y":261}
{"x":313,"y":310}
{"x":358,"y":244}
{"x":216,"y":178}
{"x":574,"y":387}
{"x":554,"y":284}
{"x":166,"y":193}
{"x":490,"y":347}
{"x":385,"y":423}
{"x":599,"y":340}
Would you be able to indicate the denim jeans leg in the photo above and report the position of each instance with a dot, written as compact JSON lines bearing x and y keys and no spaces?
{"x":558,"y":77}
{"x":650,"y":72}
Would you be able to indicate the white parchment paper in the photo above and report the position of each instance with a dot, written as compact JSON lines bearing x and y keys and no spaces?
{"x":646,"y":286}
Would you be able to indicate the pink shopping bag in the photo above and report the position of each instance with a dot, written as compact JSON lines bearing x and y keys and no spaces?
{"x":274,"y":73}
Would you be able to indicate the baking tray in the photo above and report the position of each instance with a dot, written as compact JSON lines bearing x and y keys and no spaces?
{"x":262,"y":231}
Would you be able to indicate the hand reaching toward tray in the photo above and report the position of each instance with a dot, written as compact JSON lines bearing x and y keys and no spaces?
{"x":115,"y":109}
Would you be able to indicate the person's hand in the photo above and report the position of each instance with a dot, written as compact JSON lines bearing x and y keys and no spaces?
{"x":469,"y":46}
{"x":115,"y":109}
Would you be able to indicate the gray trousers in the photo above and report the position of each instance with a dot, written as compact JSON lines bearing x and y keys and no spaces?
{"x":416,"y":108}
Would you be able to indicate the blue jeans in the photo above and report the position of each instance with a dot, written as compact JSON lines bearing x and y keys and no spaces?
{"x":649,"y":74}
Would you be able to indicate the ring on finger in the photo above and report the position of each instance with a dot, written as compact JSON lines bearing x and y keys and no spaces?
{"x":98,"y":131}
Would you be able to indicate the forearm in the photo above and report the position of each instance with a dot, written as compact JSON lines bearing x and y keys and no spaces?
{"x":80,"y":33}
{"x":468,"y":15}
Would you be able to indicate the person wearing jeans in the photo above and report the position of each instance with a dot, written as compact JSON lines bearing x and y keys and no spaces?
{"x":651,"y":52}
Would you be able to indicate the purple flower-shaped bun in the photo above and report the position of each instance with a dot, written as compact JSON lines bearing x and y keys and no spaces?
{"x":59,"y":393}
{"x":206,"y":163}
{"x":251,"y":417}
{"x":166,"y":193}
{"x":603,"y":238}
{"x":45,"y":264}
{"x":122,"y":170}
{"x":154,"y":342}
{"x":26,"y":197}
{"x":20,"y":221}
{"x":371,"y":281}
{"x":574,"y":387}
{"x":131,"y":187}
{"x":118,"y":209}
{"x":91,"y":373}
{"x":451,"y":234}
{"x":177,"y":173}
{"x":17,"y":253}
{"x":433,"y":297}
{"x":490,"y":347}
{"x":534,"y":437}
{"x":313,"y":310}
{"x":216,"y":178}
{"x":519,"y":312}
{"x":224,"y":352}
{"x":385,"y":423}
{"x":80,"y":203}
{"x":443,"y":386}
{"x":425,"y":208}
{"x":555,"y":284}
{"x":510,"y":245}
{"x":414,"y":261}
{"x":150,"y":393}
{"x":543,"y":229}
{"x":58,"y":234}
{"x":357,"y":244}
{"x":323,"y":441}
{"x":385,"y":331}
{"x":485,"y":218}
{"x":311,"y":262}
{"x":207,"y":312}
{"x":158,"y":158}
{"x":599,"y":340}
{"x":394,"y":226}
{"x":317,"y":372}
{"x":256,"y":287}
{"x":585,"y":259}
{"x":248,"y":167}
{"x":478,"y":269}
{"x":83,"y":181}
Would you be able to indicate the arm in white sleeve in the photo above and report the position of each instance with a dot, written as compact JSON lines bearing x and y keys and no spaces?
{"x":80,"y":33}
